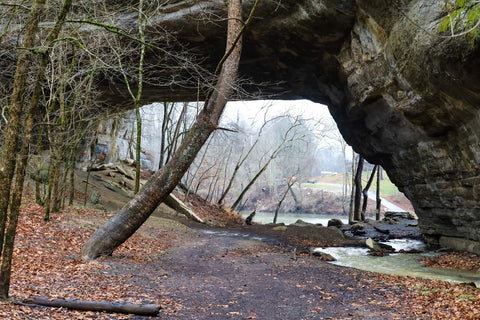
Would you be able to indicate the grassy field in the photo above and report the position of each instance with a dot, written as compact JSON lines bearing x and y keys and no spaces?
{"x":387,"y":188}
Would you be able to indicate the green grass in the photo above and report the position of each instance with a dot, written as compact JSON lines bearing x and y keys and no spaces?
{"x":387,"y":188}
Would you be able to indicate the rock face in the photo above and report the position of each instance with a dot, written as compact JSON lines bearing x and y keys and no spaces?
{"x":413,"y":107}
{"x":402,"y":95}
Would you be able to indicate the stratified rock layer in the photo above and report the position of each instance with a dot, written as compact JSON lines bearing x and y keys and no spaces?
{"x":414,"y":108}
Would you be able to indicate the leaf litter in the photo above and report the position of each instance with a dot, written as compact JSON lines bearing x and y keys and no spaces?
{"x":46,"y":263}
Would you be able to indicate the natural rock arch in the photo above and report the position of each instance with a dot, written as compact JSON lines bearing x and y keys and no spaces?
{"x":402,"y":96}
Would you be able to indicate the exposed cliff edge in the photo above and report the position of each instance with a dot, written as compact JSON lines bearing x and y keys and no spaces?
{"x":402,"y":95}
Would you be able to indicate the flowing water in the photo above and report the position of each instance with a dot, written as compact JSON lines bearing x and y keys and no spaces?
{"x":402,"y":264}
{"x":289,"y":218}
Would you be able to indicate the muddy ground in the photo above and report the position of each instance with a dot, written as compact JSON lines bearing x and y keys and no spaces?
{"x":232,"y":274}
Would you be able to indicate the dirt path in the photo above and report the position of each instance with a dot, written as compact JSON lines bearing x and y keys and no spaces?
{"x":230,"y":276}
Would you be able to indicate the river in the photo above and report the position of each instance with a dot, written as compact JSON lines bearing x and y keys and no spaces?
{"x":402,"y":264}
{"x":396,"y":264}
{"x":289,"y":218}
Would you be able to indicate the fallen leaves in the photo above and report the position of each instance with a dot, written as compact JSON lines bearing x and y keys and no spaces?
{"x":454,"y":260}
{"x":429,"y":299}
{"x":46,"y":263}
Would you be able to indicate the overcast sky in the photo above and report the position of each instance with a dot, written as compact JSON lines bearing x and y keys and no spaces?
{"x":248,"y":111}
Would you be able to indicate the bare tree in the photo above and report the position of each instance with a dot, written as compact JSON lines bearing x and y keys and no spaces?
{"x":287,"y":137}
{"x":8,"y":223}
{"x":242,"y":158}
{"x":119,"y":228}
{"x":290,"y":183}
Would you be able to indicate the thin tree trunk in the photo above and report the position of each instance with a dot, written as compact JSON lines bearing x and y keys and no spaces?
{"x":351,"y":217}
{"x":176,"y":133}
{"x":57,"y":192}
{"x":120,"y":227}
{"x":379,"y":200}
{"x":365,"y":192}
{"x":164,"y":132}
{"x":138,"y":117}
{"x":39,"y":179}
{"x":358,"y":190}
{"x":71,"y":193}
{"x":9,"y":154}
{"x":294,"y":196}
{"x":247,"y":187}
{"x":279,"y":204}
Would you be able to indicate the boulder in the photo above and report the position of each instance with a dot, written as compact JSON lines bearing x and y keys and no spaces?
{"x":372,"y":245}
{"x":335,"y":223}
{"x":323,"y":256}
{"x":397,"y":216}
{"x":301,"y":223}
{"x":358,"y":228}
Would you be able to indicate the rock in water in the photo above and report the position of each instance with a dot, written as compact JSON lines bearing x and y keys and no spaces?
{"x":324,"y":256}
{"x":373,"y":246}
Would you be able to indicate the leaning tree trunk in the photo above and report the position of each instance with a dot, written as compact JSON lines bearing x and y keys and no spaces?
{"x":365,"y":192}
{"x":120,"y":227}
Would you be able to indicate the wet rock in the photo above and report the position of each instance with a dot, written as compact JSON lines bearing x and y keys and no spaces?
{"x":397,"y":216}
{"x":400,"y":227}
{"x":335,"y":223}
{"x":323,"y":256}
{"x":378,"y":249}
{"x":335,"y":230}
{"x":358,"y":229}
{"x":300,"y":222}
{"x":372,"y":245}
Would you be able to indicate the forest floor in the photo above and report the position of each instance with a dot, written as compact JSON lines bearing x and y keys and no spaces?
{"x":206,"y":272}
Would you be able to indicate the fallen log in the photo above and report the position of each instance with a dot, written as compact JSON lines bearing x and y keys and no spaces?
{"x":111,"y":307}
{"x":176,"y":204}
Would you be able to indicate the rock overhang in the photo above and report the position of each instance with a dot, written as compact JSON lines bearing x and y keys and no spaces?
{"x":402,"y":95}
